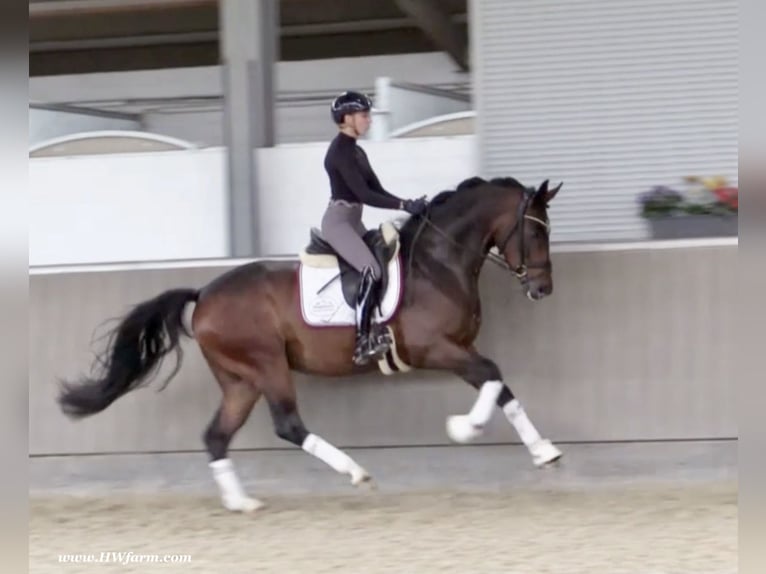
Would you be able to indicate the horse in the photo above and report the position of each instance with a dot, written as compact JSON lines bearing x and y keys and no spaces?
{"x":251,"y":327}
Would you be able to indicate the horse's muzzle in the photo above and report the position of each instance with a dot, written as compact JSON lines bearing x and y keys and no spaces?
{"x":538,"y":290}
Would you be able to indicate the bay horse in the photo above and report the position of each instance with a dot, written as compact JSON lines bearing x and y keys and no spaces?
{"x":249,"y":327}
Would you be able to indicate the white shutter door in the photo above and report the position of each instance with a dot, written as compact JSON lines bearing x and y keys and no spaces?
{"x":610,"y":96}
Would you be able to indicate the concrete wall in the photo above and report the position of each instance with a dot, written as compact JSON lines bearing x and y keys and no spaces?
{"x":636,"y":343}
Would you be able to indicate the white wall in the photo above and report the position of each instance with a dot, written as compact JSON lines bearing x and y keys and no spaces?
{"x":173,"y":205}
{"x":133,"y":207}
{"x":295,"y":189}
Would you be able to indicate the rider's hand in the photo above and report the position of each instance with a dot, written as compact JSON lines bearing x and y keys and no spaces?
{"x":414,"y":206}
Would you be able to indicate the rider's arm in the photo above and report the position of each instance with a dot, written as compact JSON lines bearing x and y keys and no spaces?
{"x":350,"y":174}
{"x":377,"y":186}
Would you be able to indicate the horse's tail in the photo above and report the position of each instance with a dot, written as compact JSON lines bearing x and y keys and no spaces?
{"x":134,"y":352}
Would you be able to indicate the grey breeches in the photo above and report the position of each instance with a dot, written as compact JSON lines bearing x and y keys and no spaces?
{"x":342,"y":228}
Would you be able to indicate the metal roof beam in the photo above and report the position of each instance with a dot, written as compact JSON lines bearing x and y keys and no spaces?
{"x":437,"y":24}
{"x":48,"y":8}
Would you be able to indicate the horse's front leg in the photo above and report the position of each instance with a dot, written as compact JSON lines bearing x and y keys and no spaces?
{"x":484,"y":375}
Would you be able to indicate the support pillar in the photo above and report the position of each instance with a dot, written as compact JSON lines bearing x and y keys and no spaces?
{"x":249,"y":32}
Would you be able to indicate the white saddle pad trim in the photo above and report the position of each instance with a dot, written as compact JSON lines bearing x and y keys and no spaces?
{"x":329,"y":308}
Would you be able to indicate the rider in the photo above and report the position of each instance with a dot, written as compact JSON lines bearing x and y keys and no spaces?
{"x":354,"y":184}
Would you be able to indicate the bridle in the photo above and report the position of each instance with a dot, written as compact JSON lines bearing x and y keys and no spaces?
{"x":521,"y":216}
{"x":519,"y":271}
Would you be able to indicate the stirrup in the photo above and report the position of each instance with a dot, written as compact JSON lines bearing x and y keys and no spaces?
{"x":370,"y":346}
{"x":381,"y":338}
{"x":363,"y":351}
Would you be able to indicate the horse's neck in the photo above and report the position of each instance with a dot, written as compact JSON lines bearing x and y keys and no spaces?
{"x":457,"y":247}
{"x":468,"y":236}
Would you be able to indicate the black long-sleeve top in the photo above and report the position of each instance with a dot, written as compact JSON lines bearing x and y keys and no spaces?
{"x":352,"y":177}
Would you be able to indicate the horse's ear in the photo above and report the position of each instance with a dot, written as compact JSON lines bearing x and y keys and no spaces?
{"x":549,"y":195}
{"x":540,"y":193}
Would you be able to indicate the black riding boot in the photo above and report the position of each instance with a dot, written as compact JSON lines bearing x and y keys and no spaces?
{"x":369,"y":342}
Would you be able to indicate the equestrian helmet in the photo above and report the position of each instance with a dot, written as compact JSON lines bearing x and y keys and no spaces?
{"x":348,"y":103}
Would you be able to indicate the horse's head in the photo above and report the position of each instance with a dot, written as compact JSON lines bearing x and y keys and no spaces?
{"x":523,"y":240}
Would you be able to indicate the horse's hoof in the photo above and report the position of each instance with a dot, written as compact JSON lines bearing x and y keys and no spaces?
{"x":367,"y":484}
{"x":245,"y":504}
{"x":460,"y":429}
{"x":544,"y":453}
{"x":361,"y":478}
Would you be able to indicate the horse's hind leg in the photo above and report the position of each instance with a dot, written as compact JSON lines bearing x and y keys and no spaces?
{"x":239,"y":397}
{"x":280,"y":393}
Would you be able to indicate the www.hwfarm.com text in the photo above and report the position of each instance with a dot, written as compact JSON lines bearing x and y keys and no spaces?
{"x":125,"y":558}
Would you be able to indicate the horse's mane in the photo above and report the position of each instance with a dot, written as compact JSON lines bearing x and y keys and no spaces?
{"x":472,"y":183}
{"x":461,"y":190}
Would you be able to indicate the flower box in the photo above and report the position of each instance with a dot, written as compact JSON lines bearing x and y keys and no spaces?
{"x":691,"y":226}
{"x":709,"y":210}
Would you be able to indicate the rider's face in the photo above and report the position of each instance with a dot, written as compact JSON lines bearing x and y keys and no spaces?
{"x":360,"y":121}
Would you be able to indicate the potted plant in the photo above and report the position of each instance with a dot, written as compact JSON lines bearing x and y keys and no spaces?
{"x":709,"y":209}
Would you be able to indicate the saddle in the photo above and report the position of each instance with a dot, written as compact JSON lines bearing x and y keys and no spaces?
{"x":383,"y":243}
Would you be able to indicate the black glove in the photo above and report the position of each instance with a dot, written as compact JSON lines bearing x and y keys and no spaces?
{"x":414,"y":206}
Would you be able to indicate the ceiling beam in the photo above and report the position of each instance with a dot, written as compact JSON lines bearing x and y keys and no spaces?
{"x":178,"y":55}
{"x":286,"y":31}
{"x":122,"y":42}
{"x":44,"y":9}
{"x":83,"y":110}
{"x":437,"y":24}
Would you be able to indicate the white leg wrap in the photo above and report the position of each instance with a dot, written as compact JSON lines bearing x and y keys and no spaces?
{"x":228,"y":482}
{"x":485,"y":403}
{"x":542,"y":450}
{"x":232,"y":493}
{"x":520,"y":421}
{"x":465,"y":428}
{"x":335,"y":458}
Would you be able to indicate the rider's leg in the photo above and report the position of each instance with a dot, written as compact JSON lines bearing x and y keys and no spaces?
{"x":340,"y":227}
{"x":371,"y":341}
{"x":357,"y":222}
{"x":380,"y":337}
